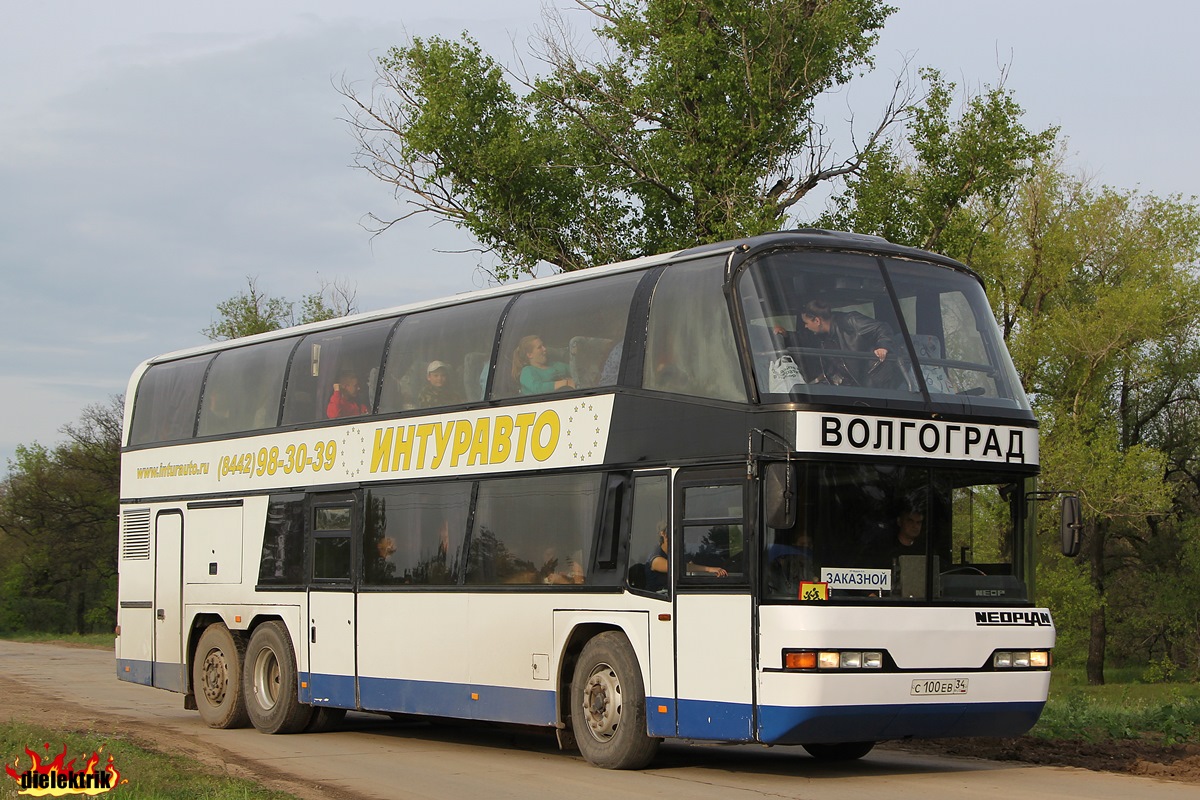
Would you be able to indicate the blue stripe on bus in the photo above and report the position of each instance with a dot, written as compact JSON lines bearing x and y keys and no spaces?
{"x":494,"y":703}
{"x":172,"y":677}
{"x":709,"y":719}
{"x":134,"y":671}
{"x":336,"y":691}
{"x":791,"y":725}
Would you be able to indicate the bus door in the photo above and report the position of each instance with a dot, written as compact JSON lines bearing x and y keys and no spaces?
{"x":169,"y":670}
{"x":334,"y":523}
{"x":714,"y":663}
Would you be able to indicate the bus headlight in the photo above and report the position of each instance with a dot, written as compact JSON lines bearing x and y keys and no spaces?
{"x":1021,"y":659}
{"x":829,"y":660}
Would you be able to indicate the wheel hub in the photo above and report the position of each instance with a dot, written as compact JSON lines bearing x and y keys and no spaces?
{"x":216,"y":677}
{"x":602,"y":703}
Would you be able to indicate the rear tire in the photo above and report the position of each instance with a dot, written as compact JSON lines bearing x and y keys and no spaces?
{"x":270,"y":684}
{"x":217,"y":678}
{"x":608,"y":705}
{"x":840,"y":751}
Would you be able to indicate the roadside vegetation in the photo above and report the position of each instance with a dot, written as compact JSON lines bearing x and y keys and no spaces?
{"x":149,"y":774}
{"x":1128,"y":707}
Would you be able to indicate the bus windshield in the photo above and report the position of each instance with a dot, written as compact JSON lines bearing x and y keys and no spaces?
{"x":885,"y":533}
{"x":824,"y":326}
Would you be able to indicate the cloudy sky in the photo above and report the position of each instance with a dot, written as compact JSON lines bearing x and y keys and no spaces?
{"x":153,"y":155}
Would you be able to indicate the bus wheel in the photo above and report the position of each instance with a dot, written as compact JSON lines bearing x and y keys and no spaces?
{"x":608,"y":705}
{"x":270,"y":684}
{"x":842,"y":751}
{"x":217,"y":678}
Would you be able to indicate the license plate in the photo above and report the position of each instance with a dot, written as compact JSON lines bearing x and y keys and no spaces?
{"x":927,"y":686}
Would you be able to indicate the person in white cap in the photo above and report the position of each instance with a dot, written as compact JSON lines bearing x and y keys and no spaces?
{"x":438,"y":389}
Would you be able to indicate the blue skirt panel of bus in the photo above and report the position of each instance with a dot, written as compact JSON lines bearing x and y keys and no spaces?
{"x":790,"y":725}
{"x":465,"y":701}
{"x":135,"y":671}
{"x":172,"y":677}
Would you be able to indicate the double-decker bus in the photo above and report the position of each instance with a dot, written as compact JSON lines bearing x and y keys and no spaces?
{"x":775,"y":490}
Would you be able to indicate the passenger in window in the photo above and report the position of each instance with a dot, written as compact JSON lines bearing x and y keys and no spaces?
{"x":532,"y":369}
{"x":573,"y":574}
{"x":659,"y":564}
{"x":344,"y":401}
{"x":852,"y":331}
{"x":439,"y":389}
{"x":900,"y":536}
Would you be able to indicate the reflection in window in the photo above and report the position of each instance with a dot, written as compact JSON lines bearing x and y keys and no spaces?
{"x":440,"y":357}
{"x":580,"y":325}
{"x":334,"y":373}
{"x":648,"y":524}
{"x":331,"y":558}
{"x":167,"y":398}
{"x":243,"y":388}
{"x":282,"y":561}
{"x":533,"y":530}
{"x":414,"y":534}
{"x":689,"y":342}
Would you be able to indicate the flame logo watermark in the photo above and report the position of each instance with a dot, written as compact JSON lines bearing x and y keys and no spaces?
{"x":59,"y":778}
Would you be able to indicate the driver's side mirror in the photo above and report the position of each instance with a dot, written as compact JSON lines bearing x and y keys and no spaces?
{"x":779,"y":495}
{"x":1070,"y":525}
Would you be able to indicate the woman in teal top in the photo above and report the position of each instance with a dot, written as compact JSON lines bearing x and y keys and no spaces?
{"x":531,"y":370}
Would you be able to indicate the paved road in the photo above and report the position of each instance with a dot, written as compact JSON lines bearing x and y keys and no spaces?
{"x":373,"y":757}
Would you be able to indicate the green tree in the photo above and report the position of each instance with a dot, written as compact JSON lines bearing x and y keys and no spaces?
{"x":695,"y":125}
{"x":58,"y":524}
{"x":252,"y":311}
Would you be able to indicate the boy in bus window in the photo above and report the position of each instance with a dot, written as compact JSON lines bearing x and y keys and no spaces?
{"x":439,"y":389}
{"x":532,"y":369}
{"x":659,"y":564}
{"x":344,"y":400}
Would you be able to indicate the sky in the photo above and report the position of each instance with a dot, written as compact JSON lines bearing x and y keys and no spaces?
{"x":154,"y":156}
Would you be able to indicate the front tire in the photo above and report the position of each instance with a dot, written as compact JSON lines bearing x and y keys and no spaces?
{"x":270,"y":683}
{"x":217,"y":678}
{"x":841,"y":751}
{"x":608,"y":705}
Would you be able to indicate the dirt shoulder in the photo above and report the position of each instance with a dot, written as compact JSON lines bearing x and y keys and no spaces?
{"x":1134,"y":757}
{"x":23,"y":703}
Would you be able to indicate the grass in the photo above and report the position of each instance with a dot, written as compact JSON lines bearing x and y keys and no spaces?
{"x":98,"y":641}
{"x":149,"y":774}
{"x":1124,"y":708}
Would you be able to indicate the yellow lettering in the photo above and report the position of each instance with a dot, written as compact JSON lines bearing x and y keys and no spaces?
{"x":442,"y":434}
{"x":479,"y":448}
{"x":404,"y":443}
{"x":523,"y":423}
{"x":382,"y":449}
{"x":501,"y":440}
{"x":547,"y":419}
{"x":462,"y":440}
{"x":423,"y":431}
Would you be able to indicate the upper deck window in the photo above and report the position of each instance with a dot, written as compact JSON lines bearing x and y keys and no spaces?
{"x":167,"y":398}
{"x":565,"y":337}
{"x":440,"y":357}
{"x":334,"y":373}
{"x":243,"y":387}
{"x":689,"y":340}
{"x":825,"y":326}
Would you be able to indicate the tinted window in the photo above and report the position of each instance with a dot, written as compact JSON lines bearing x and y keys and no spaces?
{"x":167,"y":398}
{"x":649,"y":521}
{"x":533,"y":530}
{"x":689,"y":340}
{"x":334,"y":373}
{"x":713,"y":537}
{"x":581,"y":326}
{"x":414,"y":534}
{"x":243,"y":388}
{"x":456,"y":342}
{"x":283,"y":542}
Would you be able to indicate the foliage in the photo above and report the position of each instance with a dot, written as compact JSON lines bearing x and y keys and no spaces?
{"x":58,"y":525}
{"x":252,"y":311}
{"x":150,"y":774}
{"x":694,"y":125}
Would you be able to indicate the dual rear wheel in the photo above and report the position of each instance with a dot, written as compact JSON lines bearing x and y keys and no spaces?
{"x":238,"y":682}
